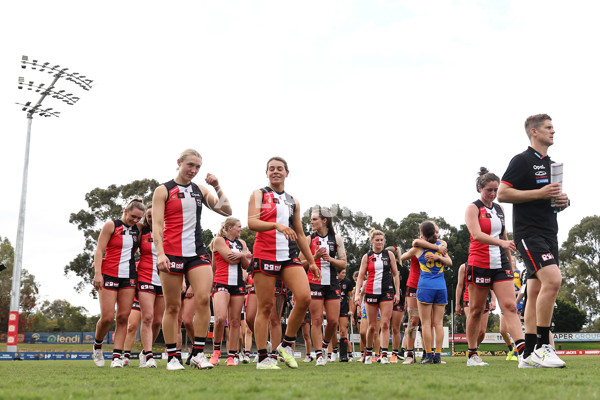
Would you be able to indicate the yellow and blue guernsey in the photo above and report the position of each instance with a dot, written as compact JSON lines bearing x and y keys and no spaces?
{"x":432,"y":285}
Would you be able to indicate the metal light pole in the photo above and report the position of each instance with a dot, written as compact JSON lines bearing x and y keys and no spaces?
{"x":57,"y":72}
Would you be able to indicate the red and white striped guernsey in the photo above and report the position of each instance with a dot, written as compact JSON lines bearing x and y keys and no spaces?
{"x":183,"y":231}
{"x":147,"y":269}
{"x":119,"y":260}
{"x":379,"y":270}
{"x":272,"y":245}
{"x":328,"y":273}
{"x":225,"y":273}
{"x":491,"y":221}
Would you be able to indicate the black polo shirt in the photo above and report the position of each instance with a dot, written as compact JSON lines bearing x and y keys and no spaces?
{"x":528,"y":171}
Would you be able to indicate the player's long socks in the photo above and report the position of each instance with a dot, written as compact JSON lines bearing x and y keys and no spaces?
{"x":472,"y":352}
{"x":97,"y":344}
{"x":543,"y":336}
{"x":530,"y":342}
{"x":199,"y":343}
{"x":117,"y":353}
{"x":262,"y":354}
{"x":519,"y":346}
{"x":171,"y":351}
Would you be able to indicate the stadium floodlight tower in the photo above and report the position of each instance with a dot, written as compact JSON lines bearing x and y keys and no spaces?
{"x":56,"y":72}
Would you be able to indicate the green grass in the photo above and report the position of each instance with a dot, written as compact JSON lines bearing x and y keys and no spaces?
{"x":501,"y":380}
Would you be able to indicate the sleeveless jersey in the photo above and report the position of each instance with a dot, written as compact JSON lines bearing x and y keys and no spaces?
{"x":517,"y":282}
{"x":272,"y":245}
{"x":183,"y":209}
{"x":328,"y":272}
{"x":415,"y":272}
{"x":119,"y":258}
{"x":432,"y":272}
{"x":229,"y":274}
{"x":147,"y":270}
{"x":491,"y":221}
{"x":379,"y":270}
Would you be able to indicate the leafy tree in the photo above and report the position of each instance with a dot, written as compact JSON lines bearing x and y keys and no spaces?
{"x":62,"y":316}
{"x":580,"y":256}
{"x":103,"y":205}
{"x":29,"y":289}
{"x":567,"y":317}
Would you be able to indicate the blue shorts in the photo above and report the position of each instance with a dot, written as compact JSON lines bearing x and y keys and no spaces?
{"x":432,"y":296}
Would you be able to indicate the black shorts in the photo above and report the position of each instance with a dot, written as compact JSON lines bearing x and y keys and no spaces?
{"x":537,"y":252}
{"x":150,"y":288}
{"x":412,"y":292}
{"x":344,"y":307}
{"x":136,"y":305}
{"x":251,"y":290}
{"x":485,"y":278}
{"x":113,"y":283}
{"x":232,"y":290}
{"x":378,"y":298}
{"x":325,"y":292}
{"x":280,"y":288}
{"x":181,"y":265}
{"x":400,"y":307}
{"x":273,"y":268}
{"x":306,"y":319}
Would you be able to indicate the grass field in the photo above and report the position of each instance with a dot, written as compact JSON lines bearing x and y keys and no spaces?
{"x":501,"y":380}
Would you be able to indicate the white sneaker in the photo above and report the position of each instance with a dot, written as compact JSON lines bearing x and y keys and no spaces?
{"x":267,"y":363}
{"x":308,"y":359}
{"x":142,"y":360}
{"x":245,"y":359}
{"x":546,"y":357}
{"x":476,"y":361}
{"x":368,"y":359}
{"x":173,"y":365}
{"x":288,"y":356}
{"x":527,"y":362}
{"x":269,"y":347}
{"x":126,"y":362}
{"x":384,"y":360}
{"x":199,"y":361}
{"x":151,"y":363}
{"x":98,"y":358}
{"x":255,"y":359}
{"x":116,"y":363}
{"x":334,"y":357}
{"x":321,"y":361}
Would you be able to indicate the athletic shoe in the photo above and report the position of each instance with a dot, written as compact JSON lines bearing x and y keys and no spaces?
{"x":255,"y":359}
{"x":333,"y":358}
{"x":394,"y":359}
{"x":245,"y":359}
{"x":126,"y":362}
{"x":368,"y":360}
{"x":427,"y":360}
{"x":308,"y":359}
{"x":98,"y":358}
{"x":437,"y":360}
{"x":189,"y":359}
{"x":350,"y":358}
{"x":512,"y":355}
{"x":267,"y":363}
{"x":384,"y":360}
{"x":269,"y":347}
{"x":321,"y":361}
{"x":216,"y":355}
{"x":401,"y":355}
{"x":174,"y":365}
{"x":116,"y":363}
{"x":376,"y":358}
{"x":288,"y":356}
{"x":151,"y":363}
{"x":476,"y":361}
{"x":408,"y":360}
{"x":546,"y":357}
{"x":199,"y":361}
{"x":231,"y":362}
{"x":362,"y":359}
{"x":142,"y":360}
{"x":528,"y":362}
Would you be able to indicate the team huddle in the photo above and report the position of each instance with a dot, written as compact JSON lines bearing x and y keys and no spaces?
{"x":177,"y":274}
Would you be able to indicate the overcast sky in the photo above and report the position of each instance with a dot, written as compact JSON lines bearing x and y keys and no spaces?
{"x":386,"y":107}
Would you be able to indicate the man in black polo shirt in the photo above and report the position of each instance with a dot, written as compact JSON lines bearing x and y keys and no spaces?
{"x":526,"y":184}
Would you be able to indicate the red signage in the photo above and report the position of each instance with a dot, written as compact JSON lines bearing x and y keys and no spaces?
{"x":13,"y":328}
